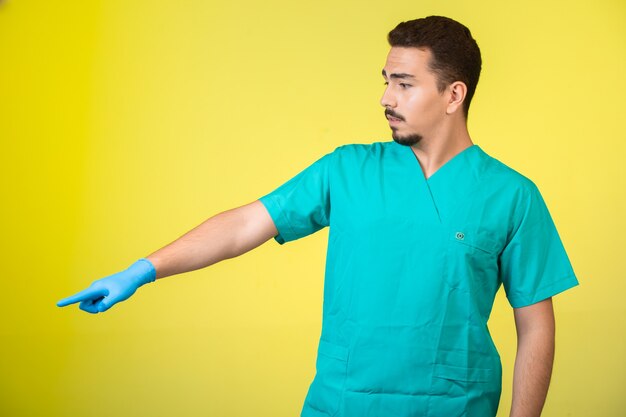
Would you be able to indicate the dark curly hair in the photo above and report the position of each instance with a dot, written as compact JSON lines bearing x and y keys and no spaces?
{"x":455,"y":54}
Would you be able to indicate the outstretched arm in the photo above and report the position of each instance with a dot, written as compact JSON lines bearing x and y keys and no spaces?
{"x":535,"y":355}
{"x":223,"y":236}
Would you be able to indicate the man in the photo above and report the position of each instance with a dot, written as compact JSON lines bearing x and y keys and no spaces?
{"x":423,"y":230}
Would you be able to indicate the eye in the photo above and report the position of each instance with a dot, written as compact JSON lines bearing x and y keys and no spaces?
{"x":403,"y":85}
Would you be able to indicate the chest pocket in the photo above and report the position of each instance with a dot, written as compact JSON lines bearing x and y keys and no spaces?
{"x":474,"y":238}
{"x":472,"y":255}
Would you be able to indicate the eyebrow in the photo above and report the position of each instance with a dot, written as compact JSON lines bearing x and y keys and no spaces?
{"x":401,"y":75}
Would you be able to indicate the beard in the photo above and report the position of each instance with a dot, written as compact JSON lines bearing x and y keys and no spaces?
{"x":408,"y":140}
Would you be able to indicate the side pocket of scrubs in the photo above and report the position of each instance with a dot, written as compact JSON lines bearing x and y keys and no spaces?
{"x":327,"y":387}
{"x":463,"y":374}
{"x":461,"y":391}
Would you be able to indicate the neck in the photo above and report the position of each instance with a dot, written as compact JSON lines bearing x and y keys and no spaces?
{"x":435,"y":150}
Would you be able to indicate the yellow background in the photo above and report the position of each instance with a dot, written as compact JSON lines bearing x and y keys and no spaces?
{"x":125,"y":124}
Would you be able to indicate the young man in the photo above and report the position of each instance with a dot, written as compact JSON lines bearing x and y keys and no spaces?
{"x":423,"y":231}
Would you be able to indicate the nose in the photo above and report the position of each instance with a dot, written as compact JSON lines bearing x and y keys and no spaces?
{"x":388,"y":100}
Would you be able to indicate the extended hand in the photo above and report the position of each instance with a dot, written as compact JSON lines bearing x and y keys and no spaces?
{"x":104,"y":293}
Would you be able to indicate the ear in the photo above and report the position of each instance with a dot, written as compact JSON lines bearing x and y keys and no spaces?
{"x":457,"y":92}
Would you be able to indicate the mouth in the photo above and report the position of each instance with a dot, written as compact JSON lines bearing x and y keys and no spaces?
{"x":393,"y":120}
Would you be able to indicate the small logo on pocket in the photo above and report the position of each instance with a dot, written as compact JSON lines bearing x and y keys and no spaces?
{"x":459,"y":235}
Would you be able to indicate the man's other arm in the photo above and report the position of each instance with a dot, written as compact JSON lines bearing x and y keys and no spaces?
{"x":535,"y":355}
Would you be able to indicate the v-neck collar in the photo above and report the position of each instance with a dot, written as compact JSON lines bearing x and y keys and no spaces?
{"x":455,"y":160}
{"x":442,"y":187}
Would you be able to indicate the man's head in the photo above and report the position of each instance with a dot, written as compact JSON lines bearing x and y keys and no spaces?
{"x":432,"y":71}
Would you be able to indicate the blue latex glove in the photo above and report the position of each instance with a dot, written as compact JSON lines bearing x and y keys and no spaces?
{"x":104,"y":293}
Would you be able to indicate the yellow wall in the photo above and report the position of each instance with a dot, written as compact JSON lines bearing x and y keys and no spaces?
{"x":125,"y":124}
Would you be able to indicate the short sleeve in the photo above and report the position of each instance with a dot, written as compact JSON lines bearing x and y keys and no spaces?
{"x":533,"y":264}
{"x":301,"y":206}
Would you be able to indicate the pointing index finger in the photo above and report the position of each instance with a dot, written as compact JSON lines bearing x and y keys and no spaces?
{"x":89,"y":293}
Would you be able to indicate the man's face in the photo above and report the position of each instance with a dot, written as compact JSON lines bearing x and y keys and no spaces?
{"x":412,"y":103}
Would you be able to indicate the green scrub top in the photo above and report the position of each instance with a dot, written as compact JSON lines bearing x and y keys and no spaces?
{"x":412,"y":269}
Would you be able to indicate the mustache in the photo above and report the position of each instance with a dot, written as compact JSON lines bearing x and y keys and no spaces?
{"x":392,"y":114}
